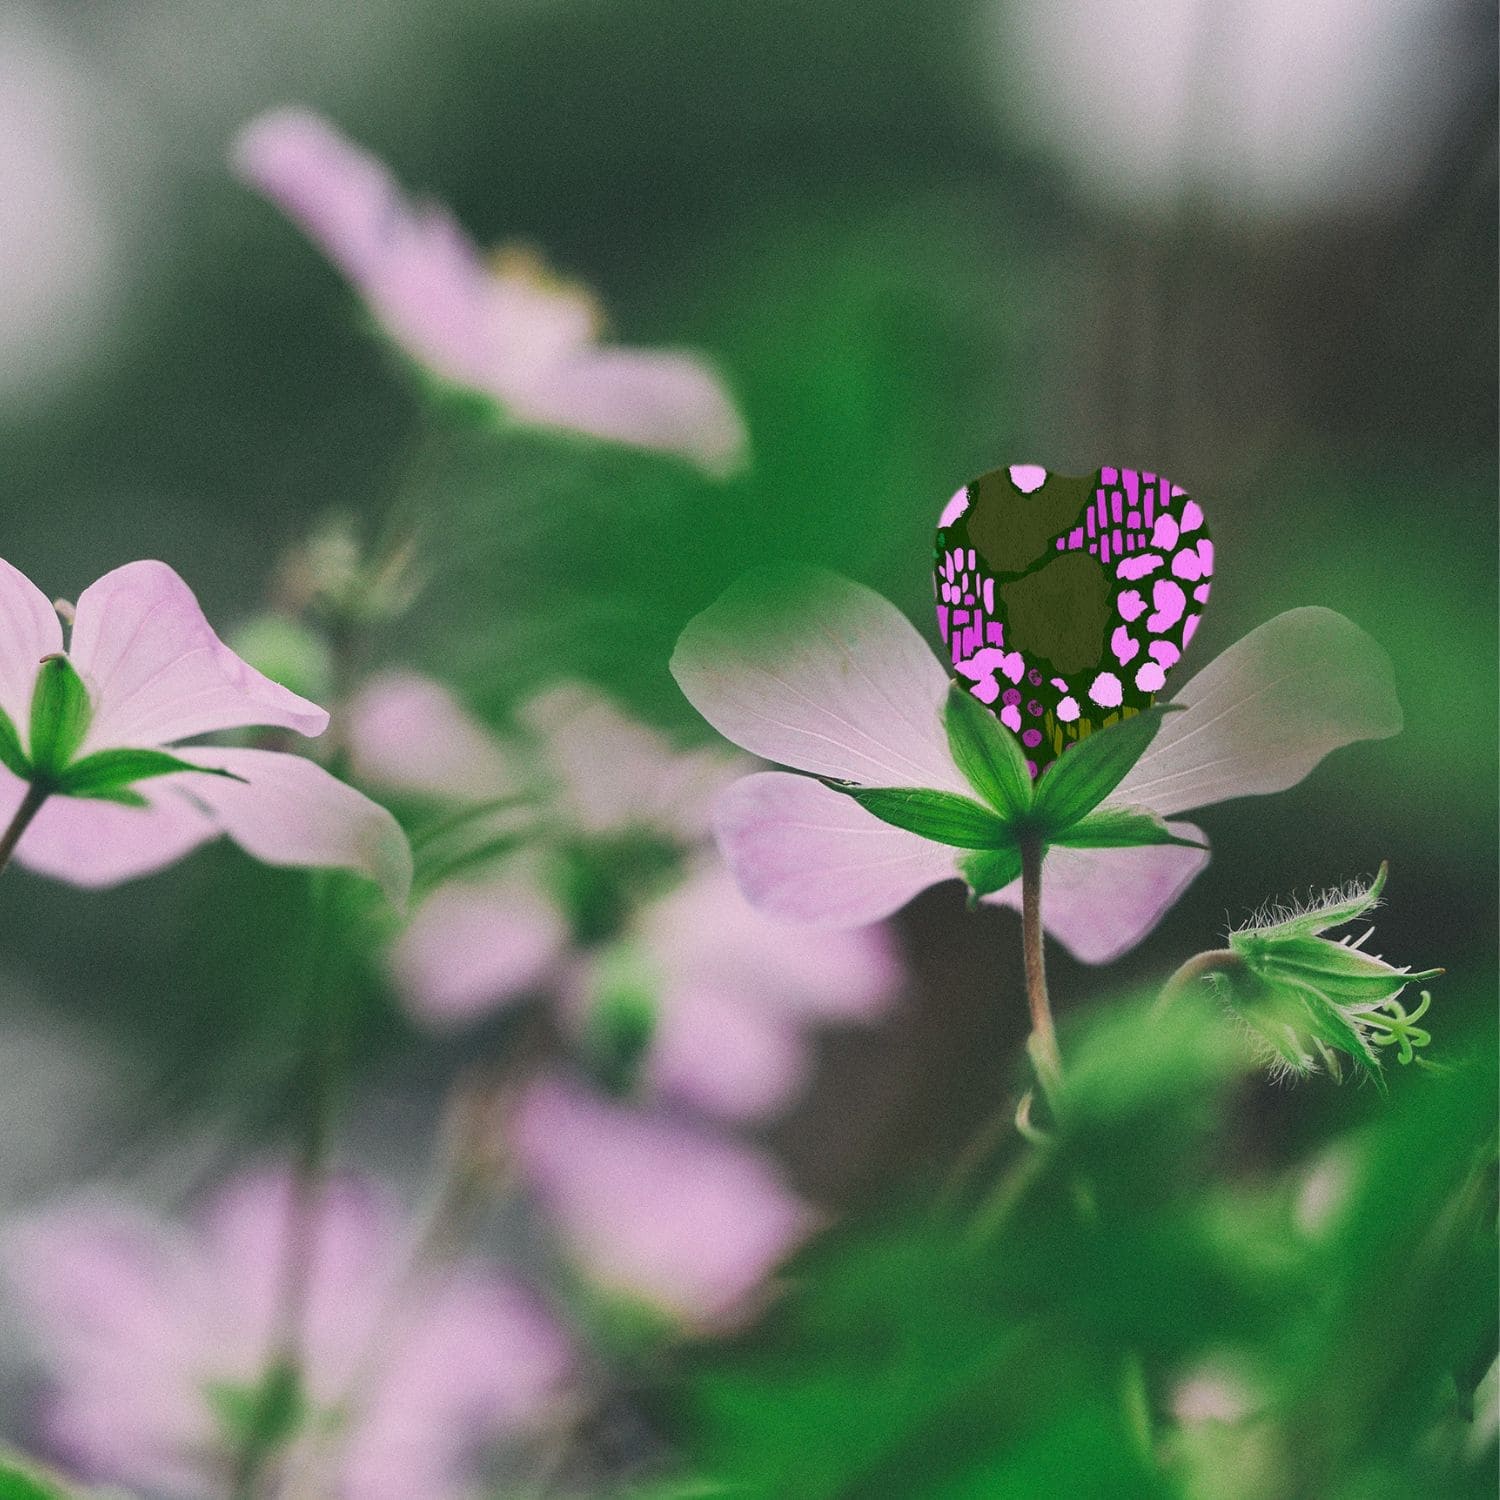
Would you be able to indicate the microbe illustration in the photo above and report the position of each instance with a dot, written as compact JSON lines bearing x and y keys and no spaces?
{"x":1064,"y":601}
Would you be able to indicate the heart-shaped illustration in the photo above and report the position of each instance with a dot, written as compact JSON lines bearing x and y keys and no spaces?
{"x":1064,"y":601}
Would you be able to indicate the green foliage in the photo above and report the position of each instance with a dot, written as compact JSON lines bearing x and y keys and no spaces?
{"x":943,"y":817}
{"x":12,"y":755}
{"x":108,"y":773}
{"x":1078,"y":781}
{"x":987,"y":754}
{"x":20,"y":1480}
{"x":1039,"y":1348}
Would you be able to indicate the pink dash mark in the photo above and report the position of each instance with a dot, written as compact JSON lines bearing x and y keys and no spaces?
{"x":1132,"y":481}
{"x":1108,"y":476}
{"x":1133,"y":520}
{"x":1206,"y":556}
{"x":1062,"y":542}
{"x":972,"y":563}
{"x":1117,"y":542}
{"x":1201,"y":593}
{"x":954,"y":509}
{"x":1177,"y":490}
{"x":1099,"y":509}
{"x":1150,"y":501}
{"x":1027,"y":477}
{"x":989,"y":595}
{"x":942,"y":610}
{"x":1116,"y":508}
{"x":1093,"y":547}
{"x":1091,"y":524}
{"x":1104,"y":549}
{"x":1192,"y":516}
{"x":994,"y":633}
{"x":1189,"y":625}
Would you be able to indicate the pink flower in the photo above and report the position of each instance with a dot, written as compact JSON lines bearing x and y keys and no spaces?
{"x":734,"y":994}
{"x":653,"y":1210}
{"x":823,"y":675}
{"x":156,"y":1336}
{"x":505,"y":330}
{"x":156,"y":674}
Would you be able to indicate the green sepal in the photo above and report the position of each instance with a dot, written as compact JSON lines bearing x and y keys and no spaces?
{"x":261,"y":1417}
{"x":988,"y":755}
{"x":943,"y":817}
{"x":990,"y":870}
{"x":1345,"y":974}
{"x":1119,"y":828}
{"x":60,"y":714}
{"x":1333,"y":1028}
{"x":106,"y":773}
{"x":1085,"y":774}
{"x":12,"y":754}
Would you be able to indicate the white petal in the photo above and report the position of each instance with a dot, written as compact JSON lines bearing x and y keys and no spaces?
{"x":289,"y":811}
{"x":806,"y":668}
{"x":29,"y":630}
{"x":803,"y":852}
{"x":654,"y":399}
{"x":1099,"y":903}
{"x":1259,"y":717}
{"x":157,"y":672}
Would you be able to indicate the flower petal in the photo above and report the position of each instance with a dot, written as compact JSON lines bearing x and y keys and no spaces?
{"x":683,"y":1220}
{"x":704,"y":933}
{"x":1099,"y":903}
{"x":616,"y":773}
{"x":806,"y":668}
{"x":671,"y":402}
{"x":289,"y":811}
{"x":1259,"y":717}
{"x":95,"y":844}
{"x":157,"y":672}
{"x":409,"y":733}
{"x":803,"y":852}
{"x":29,"y":630}
{"x":472,"y":947}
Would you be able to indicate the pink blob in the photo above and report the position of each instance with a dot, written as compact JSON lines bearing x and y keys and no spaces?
{"x":1026,"y":478}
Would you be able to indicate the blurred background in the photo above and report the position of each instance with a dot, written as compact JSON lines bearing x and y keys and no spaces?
{"x":1250,"y":246}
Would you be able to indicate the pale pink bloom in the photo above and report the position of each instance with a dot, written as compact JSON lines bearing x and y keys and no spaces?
{"x":500,"y":330}
{"x":656,"y":1211}
{"x":149,"y":1331}
{"x":841,"y":685}
{"x":156,"y":674}
{"x":736,"y":994}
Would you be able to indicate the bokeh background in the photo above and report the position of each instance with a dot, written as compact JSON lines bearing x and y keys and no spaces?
{"x":1250,"y":246}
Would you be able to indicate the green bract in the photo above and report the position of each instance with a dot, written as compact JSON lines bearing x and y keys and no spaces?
{"x":1012,"y":812}
{"x":1309,"y":996}
{"x":60,"y":717}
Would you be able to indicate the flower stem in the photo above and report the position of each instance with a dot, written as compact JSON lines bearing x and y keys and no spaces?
{"x":31,"y":805}
{"x":1043,"y":1044}
{"x":1199,"y":967}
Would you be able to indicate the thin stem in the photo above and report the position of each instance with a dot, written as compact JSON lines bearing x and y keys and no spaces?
{"x":1043,"y":1044}
{"x":1199,"y":967}
{"x":31,"y":805}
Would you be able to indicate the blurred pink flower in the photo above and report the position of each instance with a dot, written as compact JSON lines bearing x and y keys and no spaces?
{"x":840,"y":684}
{"x":653,"y":1210}
{"x":152,"y":1334}
{"x":503,"y":330}
{"x":734,"y":993}
{"x":156,"y":674}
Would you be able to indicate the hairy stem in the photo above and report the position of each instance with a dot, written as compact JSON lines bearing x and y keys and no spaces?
{"x":1196,"y":969}
{"x":31,"y":805}
{"x":1043,"y":1044}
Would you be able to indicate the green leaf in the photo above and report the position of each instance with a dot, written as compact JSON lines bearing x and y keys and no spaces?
{"x":1075,"y":784}
{"x":1119,"y":828}
{"x":12,"y":755}
{"x":1342,"y":972}
{"x":264,"y":1416}
{"x":943,"y":817}
{"x":60,"y":714}
{"x":108,"y":773}
{"x":21,"y":1480}
{"x":990,"y":870}
{"x":988,"y":754}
